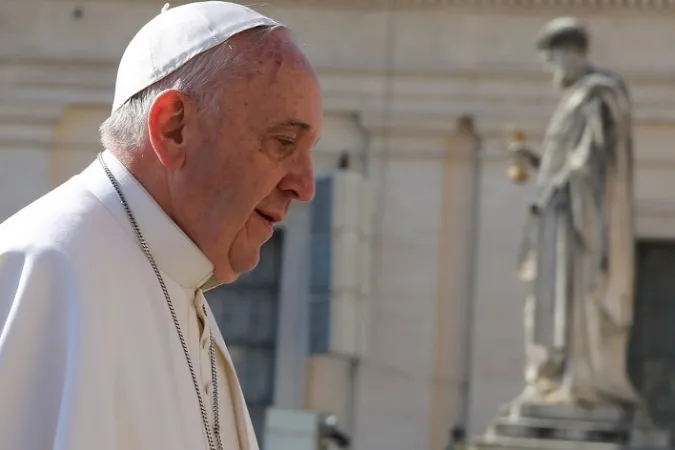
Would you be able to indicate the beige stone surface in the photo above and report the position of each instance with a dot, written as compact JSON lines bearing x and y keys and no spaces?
{"x":76,"y":140}
{"x":330,"y":387}
{"x":395,"y":81}
{"x":24,"y":176}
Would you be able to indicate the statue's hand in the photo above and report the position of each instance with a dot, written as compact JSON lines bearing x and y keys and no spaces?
{"x":523,"y":154}
{"x":518,"y":171}
{"x":523,"y":160}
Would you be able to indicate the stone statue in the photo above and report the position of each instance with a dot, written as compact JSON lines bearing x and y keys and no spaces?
{"x":579,"y":248}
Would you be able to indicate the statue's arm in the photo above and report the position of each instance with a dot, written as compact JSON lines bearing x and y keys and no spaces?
{"x":592,"y":139}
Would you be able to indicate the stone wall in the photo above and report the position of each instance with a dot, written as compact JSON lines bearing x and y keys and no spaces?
{"x":396,"y":77}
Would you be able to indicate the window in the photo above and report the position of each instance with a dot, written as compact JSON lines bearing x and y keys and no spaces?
{"x":651,"y":357}
{"x":247,"y":314}
{"x":320,"y":267}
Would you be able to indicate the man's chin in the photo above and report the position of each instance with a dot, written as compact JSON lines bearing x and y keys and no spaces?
{"x":245,"y":263}
{"x":225,"y":276}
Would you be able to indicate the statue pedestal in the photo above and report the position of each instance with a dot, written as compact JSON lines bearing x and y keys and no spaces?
{"x":532,"y":426}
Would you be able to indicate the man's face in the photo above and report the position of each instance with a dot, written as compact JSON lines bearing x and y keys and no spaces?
{"x":564,"y":64}
{"x":254,"y":161}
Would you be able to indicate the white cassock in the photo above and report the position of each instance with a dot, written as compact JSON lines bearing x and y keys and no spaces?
{"x":89,"y":355}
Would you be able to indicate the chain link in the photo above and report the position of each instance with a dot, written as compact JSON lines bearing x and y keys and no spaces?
{"x":214,"y":444}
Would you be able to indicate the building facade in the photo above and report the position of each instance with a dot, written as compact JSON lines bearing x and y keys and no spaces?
{"x":419,"y":93}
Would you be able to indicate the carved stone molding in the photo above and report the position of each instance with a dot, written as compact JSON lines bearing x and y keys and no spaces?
{"x":416,"y":111}
{"x":566,"y":5}
{"x":656,"y":208}
{"x":655,"y":219}
{"x":572,"y":5}
{"x":415,"y":103}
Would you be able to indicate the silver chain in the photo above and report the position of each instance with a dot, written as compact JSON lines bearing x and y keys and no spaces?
{"x":216,"y":444}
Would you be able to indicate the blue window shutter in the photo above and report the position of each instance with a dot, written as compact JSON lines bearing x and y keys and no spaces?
{"x":320,"y":266}
{"x":247,"y":314}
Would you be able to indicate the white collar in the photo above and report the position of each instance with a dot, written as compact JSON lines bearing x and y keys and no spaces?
{"x":173,"y":251}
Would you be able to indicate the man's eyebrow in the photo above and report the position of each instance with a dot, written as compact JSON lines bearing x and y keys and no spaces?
{"x":294,"y":124}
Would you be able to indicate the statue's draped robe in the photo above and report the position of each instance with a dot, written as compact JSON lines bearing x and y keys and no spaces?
{"x":580,"y":251}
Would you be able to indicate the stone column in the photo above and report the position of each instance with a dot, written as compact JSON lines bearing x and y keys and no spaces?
{"x":454,"y":296}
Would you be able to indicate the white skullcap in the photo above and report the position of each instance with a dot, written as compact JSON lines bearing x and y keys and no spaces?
{"x":174,"y":37}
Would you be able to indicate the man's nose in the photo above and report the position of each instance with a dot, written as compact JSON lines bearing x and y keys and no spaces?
{"x":300,"y":181}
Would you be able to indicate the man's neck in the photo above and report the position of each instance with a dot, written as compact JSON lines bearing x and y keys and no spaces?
{"x":145,"y":168}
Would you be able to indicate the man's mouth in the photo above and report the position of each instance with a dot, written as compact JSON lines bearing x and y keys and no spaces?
{"x":267,"y":217}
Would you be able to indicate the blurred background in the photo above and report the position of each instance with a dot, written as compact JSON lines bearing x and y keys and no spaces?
{"x":391,"y":301}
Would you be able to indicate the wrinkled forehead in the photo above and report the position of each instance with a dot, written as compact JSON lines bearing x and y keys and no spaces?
{"x":280,"y":85}
{"x":293,"y":94}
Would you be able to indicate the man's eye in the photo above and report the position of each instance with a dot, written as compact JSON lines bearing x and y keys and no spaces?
{"x":285,"y":143}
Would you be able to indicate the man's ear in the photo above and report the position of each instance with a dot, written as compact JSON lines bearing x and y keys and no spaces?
{"x":171,"y":120}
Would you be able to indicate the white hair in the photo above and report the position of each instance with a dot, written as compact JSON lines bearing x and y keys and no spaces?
{"x":200,"y":78}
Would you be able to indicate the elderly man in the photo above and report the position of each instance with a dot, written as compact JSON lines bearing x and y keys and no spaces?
{"x":106,"y":340}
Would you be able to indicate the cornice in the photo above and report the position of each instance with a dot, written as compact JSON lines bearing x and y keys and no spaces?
{"x":417,"y":103}
{"x":656,"y":208}
{"x":31,"y":135}
{"x":35,"y":113}
{"x":101,"y":73}
{"x":477,"y":5}
{"x":487,"y":5}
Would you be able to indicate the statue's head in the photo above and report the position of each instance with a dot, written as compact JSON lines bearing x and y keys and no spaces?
{"x":563,"y":46}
